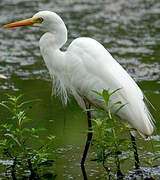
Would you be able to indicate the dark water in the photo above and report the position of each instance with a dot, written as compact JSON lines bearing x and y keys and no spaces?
{"x":130,"y":30}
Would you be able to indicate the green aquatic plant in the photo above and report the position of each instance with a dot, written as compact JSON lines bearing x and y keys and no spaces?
{"x":110,"y":134}
{"x":21,"y":144}
{"x":111,"y":142}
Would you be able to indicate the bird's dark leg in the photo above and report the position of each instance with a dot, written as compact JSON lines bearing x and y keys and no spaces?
{"x":89,"y":135}
{"x":137,"y":162}
{"x":84,"y":172}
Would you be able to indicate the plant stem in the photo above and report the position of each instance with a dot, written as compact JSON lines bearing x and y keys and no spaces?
{"x":13,"y":168}
{"x":33,"y":173}
{"x":119,"y":173}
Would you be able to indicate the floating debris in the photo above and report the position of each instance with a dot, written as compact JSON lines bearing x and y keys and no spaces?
{"x":2,"y":76}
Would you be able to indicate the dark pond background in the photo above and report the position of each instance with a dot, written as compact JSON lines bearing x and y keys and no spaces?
{"x":129,"y":30}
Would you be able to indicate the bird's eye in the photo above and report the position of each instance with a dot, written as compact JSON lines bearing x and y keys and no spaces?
{"x":39,"y":20}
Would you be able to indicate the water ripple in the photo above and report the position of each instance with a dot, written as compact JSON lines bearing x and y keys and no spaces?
{"x":128,"y":29}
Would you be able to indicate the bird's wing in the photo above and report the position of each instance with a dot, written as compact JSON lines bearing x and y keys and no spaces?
{"x":91,"y":67}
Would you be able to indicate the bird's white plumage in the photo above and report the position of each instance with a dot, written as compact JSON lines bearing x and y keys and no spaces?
{"x":87,"y":66}
{"x":95,"y":68}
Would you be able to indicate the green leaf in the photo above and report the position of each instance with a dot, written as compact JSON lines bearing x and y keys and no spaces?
{"x":90,"y":110}
{"x":8,"y":102}
{"x":6,"y":107}
{"x":98,"y":122}
{"x":47,"y":163}
{"x":14,"y":138}
{"x":51,"y":137}
{"x":21,"y":116}
{"x":3,"y":142}
{"x":121,"y":141}
{"x":155,"y":158}
{"x":4,"y":125}
{"x":26,"y":130}
{"x":117,"y":111}
{"x":105,"y":95}
{"x":113,"y":105}
{"x":27,"y":119}
{"x":27,"y":102}
{"x":98,"y":93}
{"x":111,"y":124}
{"x":19,"y":97}
{"x":147,"y":162}
{"x":35,"y":136}
{"x":99,"y":100}
{"x":113,"y":92}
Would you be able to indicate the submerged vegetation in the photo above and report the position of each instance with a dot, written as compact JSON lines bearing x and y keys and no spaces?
{"x":20,"y":144}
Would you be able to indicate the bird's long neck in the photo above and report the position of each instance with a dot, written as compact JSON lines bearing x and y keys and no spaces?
{"x":50,"y":49}
{"x":54,"y":38}
{"x":50,"y":44}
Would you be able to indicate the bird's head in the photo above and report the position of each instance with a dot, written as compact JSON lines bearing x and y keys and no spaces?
{"x":47,"y":20}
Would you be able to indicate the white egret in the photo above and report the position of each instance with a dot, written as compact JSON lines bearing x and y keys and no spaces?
{"x":87,"y":66}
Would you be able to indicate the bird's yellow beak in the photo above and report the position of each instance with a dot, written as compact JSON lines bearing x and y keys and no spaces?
{"x":26,"y":22}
